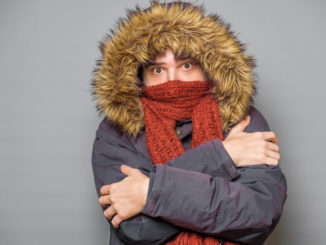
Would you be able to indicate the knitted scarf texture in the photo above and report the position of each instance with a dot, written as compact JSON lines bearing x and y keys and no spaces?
{"x":172,"y":101}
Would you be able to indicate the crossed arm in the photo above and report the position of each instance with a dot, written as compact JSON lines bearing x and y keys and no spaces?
{"x":252,"y":195}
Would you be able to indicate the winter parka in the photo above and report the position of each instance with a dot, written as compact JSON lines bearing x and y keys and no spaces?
{"x":202,"y":190}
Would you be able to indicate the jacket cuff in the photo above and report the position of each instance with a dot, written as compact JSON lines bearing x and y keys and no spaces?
{"x":223,"y":156}
{"x":153,"y":191}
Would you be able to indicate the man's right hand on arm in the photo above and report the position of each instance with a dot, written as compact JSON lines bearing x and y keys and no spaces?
{"x":251,"y":148}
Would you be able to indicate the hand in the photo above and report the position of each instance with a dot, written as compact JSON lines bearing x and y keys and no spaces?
{"x":251,"y":148}
{"x":127,"y":197}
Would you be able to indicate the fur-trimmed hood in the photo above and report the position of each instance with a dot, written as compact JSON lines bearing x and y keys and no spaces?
{"x":185,"y":29}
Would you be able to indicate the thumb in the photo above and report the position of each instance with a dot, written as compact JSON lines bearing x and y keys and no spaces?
{"x":127,"y":170}
{"x":240,"y":126}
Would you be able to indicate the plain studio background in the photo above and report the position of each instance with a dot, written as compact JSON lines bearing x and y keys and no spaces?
{"x":48,"y":50}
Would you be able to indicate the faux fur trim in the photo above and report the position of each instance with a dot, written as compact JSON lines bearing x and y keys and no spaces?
{"x":186,"y":30}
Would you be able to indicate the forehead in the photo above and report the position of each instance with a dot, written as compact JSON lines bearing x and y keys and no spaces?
{"x":166,"y":57}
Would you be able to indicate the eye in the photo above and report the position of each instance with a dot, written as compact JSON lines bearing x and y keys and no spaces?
{"x":157,"y":70}
{"x":187,"y":65}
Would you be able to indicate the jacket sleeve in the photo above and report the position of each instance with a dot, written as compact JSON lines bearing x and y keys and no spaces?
{"x":245,"y":209}
{"x":109,"y":153}
{"x":111,"y":150}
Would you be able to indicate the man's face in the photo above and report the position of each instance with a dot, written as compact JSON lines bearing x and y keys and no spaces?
{"x":167,"y":67}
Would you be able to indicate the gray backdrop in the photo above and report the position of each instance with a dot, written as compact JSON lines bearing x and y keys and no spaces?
{"x":48,"y":118}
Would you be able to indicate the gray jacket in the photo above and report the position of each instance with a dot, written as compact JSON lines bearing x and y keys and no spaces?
{"x":202,"y":190}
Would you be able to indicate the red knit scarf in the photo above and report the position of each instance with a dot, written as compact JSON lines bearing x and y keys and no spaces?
{"x":165,"y":103}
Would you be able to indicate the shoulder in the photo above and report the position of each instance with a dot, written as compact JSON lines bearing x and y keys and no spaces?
{"x":257,"y":121}
{"x":109,"y":132}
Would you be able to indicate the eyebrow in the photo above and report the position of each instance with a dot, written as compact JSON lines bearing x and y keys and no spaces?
{"x":183,"y":57}
{"x":152,"y":63}
{"x":177,"y":58}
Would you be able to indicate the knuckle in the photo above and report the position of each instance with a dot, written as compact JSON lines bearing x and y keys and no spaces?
{"x":107,"y":199}
{"x":114,"y":222}
{"x":115,"y":207}
{"x":112,"y":198}
{"x":258,"y":157}
{"x":262,"y":157}
{"x":262,"y":150}
{"x":135,"y":171}
{"x":272,"y":162}
{"x":113,"y":187}
{"x":123,"y":215}
{"x":258,"y":134}
{"x":100,"y":200}
{"x":278,"y":157}
{"x":118,"y":220}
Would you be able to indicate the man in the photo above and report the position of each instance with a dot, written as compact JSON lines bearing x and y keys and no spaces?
{"x":182,"y":157}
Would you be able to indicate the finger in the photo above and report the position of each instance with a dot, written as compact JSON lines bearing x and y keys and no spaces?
{"x":116,"y":221}
{"x":273,"y":147}
{"x":109,"y":212}
{"x":240,"y":126}
{"x":270,"y":136}
{"x":273,"y":140}
{"x":271,"y":161}
{"x":105,"y":190}
{"x":127,"y":170}
{"x":273,"y":155}
{"x":105,"y":200}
